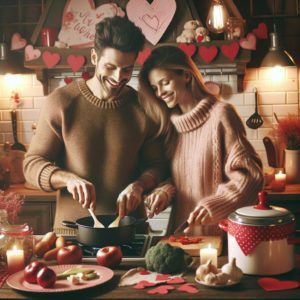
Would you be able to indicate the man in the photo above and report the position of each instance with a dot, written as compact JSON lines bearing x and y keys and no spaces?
{"x":93,"y":141}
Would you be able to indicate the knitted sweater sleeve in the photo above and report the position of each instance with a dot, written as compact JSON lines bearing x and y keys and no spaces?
{"x":242,"y":176}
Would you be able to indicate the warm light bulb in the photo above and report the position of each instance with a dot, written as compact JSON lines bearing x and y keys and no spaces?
{"x":277,"y":73}
{"x":217,"y":17}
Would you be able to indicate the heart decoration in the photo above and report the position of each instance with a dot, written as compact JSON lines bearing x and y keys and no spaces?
{"x":50,"y":59}
{"x":153,"y":19}
{"x":86,"y":75}
{"x":143,"y":284}
{"x":189,"y":288}
{"x":145,"y":272}
{"x":176,"y":280}
{"x":143,"y":55}
{"x":249,"y":42}
{"x":75,"y":62}
{"x":207,"y":53}
{"x":200,"y":38}
{"x":189,"y":49}
{"x":231,"y":50}
{"x":17,"y":42}
{"x":68,"y":80}
{"x":261,"y":32}
{"x":31,"y":54}
{"x":162,"y":290}
{"x":162,"y":277}
{"x":271,"y":284}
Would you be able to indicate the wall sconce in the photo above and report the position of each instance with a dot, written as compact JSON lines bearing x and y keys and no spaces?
{"x":217,"y":16}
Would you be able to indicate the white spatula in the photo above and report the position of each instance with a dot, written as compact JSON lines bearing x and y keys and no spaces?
{"x":115,"y":222}
{"x":97,"y":223}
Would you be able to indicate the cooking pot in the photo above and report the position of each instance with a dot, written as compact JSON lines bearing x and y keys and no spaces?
{"x":99,"y":237}
{"x":258,"y":237}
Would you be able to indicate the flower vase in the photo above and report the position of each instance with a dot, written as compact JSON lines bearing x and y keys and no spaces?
{"x":292,"y":166}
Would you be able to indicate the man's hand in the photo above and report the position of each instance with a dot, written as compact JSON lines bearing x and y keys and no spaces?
{"x":156,"y":202}
{"x":199,"y":216}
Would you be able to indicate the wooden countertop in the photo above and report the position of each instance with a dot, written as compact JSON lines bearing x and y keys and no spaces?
{"x":28,"y":191}
{"x":291,"y":192}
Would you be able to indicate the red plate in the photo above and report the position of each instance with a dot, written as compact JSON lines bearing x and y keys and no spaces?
{"x":16,"y":281}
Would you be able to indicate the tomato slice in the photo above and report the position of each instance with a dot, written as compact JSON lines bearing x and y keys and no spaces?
{"x":185,"y":240}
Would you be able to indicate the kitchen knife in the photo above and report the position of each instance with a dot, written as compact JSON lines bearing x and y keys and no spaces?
{"x":271,"y":152}
{"x":181,"y":227}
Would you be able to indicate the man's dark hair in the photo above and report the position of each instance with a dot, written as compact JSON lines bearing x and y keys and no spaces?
{"x":118,"y":33}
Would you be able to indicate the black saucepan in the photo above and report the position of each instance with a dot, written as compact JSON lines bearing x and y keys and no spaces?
{"x":99,"y":237}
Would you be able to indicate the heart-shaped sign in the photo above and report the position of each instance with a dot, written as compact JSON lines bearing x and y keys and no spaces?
{"x":176,"y":280}
{"x":143,"y":284}
{"x":189,"y":288}
{"x":231,"y":50}
{"x":79,"y":20}
{"x":161,"y":290}
{"x":31,"y":54}
{"x":261,"y":32}
{"x":249,"y":42}
{"x":153,"y":19}
{"x":207,"y":53}
{"x":189,"y":49}
{"x":271,"y":284}
{"x":17,"y":42}
{"x":50,"y":59}
{"x":143,"y":55}
{"x":75,"y":62}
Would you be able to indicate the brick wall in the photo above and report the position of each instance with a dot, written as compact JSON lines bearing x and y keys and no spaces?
{"x":281,"y":97}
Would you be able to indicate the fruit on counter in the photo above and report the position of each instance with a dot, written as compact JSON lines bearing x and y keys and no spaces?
{"x":71,"y":254}
{"x":74,"y":271}
{"x":46,"y":277}
{"x":45,"y":244}
{"x":167,"y":259}
{"x":109,"y":256}
{"x":52,"y":253}
{"x":234,"y":272}
{"x":31,"y":271}
{"x":185,"y":240}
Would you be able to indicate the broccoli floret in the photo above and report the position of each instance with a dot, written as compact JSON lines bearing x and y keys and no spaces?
{"x":167,"y":259}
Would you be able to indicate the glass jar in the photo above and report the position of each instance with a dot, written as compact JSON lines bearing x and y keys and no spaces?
{"x":16,"y":237}
{"x":234,"y":28}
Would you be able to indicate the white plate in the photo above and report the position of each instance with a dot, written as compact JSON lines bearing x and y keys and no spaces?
{"x":16,"y":280}
{"x":217,"y":286}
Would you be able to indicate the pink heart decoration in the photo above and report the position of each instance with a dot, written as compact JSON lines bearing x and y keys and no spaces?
{"x":143,"y":284}
{"x":189,"y":49}
{"x":160,"y":277}
{"x":271,"y":284}
{"x":50,"y":59}
{"x":31,"y":54}
{"x":145,"y":272}
{"x":143,"y":55}
{"x":176,"y":280}
{"x":189,"y":288}
{"x":162,"y":290}
{"x":207,"y":53}
{"x":261,"y":31}
{"x":17,"y":42}
{"x":153,"y":19}
{"x":75,"y":62}
{"x":249,"y":42}
{"x":231,"y":50}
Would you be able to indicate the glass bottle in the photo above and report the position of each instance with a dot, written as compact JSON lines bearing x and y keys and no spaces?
{"x":234,"y":28}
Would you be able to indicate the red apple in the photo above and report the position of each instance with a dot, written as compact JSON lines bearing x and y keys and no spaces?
{"x":71,"y":254}
{"x":31,"y":270}
{"x":109,"y":256}
{"x":46,"y":277}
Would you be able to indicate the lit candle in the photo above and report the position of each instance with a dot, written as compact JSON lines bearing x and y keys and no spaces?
{"x":279,"y":182}
{"x":209,"y":253}
{"x":15,"y":260}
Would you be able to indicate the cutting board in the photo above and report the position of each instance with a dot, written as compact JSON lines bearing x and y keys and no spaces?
{"x":193,"y":249}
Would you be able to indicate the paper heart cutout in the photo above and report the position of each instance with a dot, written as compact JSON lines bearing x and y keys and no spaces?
{"x":249,"y":42}
{"x":160,"y":277}
{"x":189,"y":49}
{"x":143,"y":284}
{"x":153,"y":19}
{"x":143,"y":55}
{"x":162,"y":290}
{"x":31,"y":54}
{"x":68,"y":80}
{"x":189,"y":288}
{"x":17,"y":42}
{"x":271,"y":284}
{"x":75,"y":62}
{"x":50,"y":59}
{"x":207,"y":53}
{"x":261,"y":32}
{"x":145,"y":272}
{"x":231,"y":50}
{"x":176,"y":280}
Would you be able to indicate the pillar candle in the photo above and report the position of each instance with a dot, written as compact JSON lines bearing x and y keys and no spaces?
{"x":209,"y":253}
{"x":15,"y":260}
{"x":279,"y":182}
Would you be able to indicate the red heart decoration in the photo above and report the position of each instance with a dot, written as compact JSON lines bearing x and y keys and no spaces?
{"x":85,"y":75}
{"x":261,"y":31}
{"x":75,"y":62}
{"x":271,"y":284}
{"x":68,"y":80}
{"x":189,"y":288}
{"x":162,"y":290}
{"x":143,"y":55}
{"x":200,"y":38}
{"x":160,"y":277}
{"x":207,"y":53}
{"x":249,"y":42}
{"x":50,"y":59}
{"x":189,"y":49}
{"x":231,"y":50}
{"x":145,"y":272}
{"x":176,"y":280}
{"x":143,"y":284}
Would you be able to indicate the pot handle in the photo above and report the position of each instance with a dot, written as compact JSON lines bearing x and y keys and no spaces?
{"x":223,"y":224}
{"x":69,"y":224}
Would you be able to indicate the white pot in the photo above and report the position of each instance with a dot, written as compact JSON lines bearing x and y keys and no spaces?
{"x":292,"y":165}
{"x":258,"y":237}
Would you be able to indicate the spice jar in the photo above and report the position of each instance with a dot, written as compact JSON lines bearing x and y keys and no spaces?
{"x":234,"y":29}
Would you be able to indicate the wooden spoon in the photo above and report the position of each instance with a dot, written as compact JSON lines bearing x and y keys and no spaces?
{"x":115,"y":222}
{"x":97,"y":223}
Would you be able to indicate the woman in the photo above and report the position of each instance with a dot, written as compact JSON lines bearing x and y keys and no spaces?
{"x":214,"y":167}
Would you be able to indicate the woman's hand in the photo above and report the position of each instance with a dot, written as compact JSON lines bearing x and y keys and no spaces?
{"x":156,"y":202}
{"x":199,"y":216}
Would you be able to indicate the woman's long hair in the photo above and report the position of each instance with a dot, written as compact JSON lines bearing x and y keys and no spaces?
{"x":174,"y":59}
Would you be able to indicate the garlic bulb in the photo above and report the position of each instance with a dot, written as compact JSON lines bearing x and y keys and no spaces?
{"x":222,"y":278}
{"x":234,"y":272}
{"x":211,"y":278}
{"x":203,"y":270}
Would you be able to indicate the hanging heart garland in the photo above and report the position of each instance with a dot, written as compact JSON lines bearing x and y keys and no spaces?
{"x":50,"y":59}
{"x":231,"y":50}
{"x":261,"y":32}
{"x":17,"y":42}
{"x":189,"y":49}
{"x":143,"y":55}
{"x":249,"y":42}
{"x":75,"y":62}
{"x":31,"y":54}
{"x":207,"y":53}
